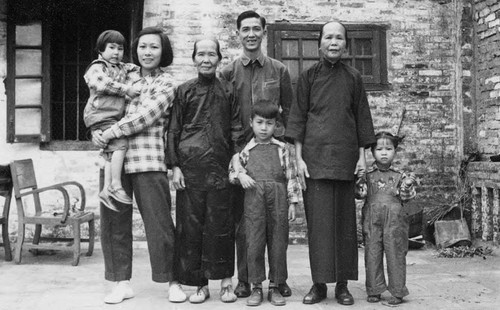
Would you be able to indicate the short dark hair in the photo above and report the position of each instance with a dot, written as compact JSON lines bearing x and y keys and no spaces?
{"x":167,"y":55}
{"x":250,"y":14}
{"x":109,"y":36}
{"x":395,"y":140}
{"x":211,"y":39}
{"x":265,"y":110}
{"x":345,"y":33}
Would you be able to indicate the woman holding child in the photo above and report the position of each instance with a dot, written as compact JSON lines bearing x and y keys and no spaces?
{"x":145,"y":170}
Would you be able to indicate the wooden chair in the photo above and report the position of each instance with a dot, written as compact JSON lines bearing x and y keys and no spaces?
{"x":6,"y":192}
{"x":24,"y":181}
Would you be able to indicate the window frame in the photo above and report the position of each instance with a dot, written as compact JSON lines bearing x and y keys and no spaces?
{"x":379,"y":82}
{"x":44,"y":137}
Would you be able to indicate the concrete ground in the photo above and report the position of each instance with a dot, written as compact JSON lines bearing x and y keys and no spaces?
{"x":50,"y":282}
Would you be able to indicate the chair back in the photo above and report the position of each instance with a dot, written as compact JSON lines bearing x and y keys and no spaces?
{"x":23,"y":177}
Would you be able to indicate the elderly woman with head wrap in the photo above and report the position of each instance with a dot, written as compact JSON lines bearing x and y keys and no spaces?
{"x":203,"y":136}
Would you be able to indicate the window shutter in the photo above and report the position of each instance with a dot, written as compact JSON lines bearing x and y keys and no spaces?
{"x":25,"y":82}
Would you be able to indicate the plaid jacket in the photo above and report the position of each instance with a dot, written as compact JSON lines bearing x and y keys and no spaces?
{"x":145,"y":121}
{"x":107,"y":91}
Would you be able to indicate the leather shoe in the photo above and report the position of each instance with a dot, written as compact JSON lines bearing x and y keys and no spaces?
{"x":343,"y":296}
{"x":285,"y":290}
{"x":275,"y":298}
{"x":242,"y":289}
{"x":256,"y":298}
{"x":316,"y":294}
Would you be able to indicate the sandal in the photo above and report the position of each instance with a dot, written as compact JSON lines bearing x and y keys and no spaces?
{"x":106,"y":201}
{"x":119,"y":195}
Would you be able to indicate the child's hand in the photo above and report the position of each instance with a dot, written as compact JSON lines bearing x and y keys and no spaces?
{"x":134,"y":90}
{"x":361,"y":189}
{"x":291,"y":212}
{"x":246,"y":181}
{"x":409,"y":181}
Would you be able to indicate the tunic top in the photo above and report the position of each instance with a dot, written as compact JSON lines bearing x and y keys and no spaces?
{"x":204,"y":131}
{"x":263,"y":80}
{"x":332,"y":119}
{"x":144,"y":121}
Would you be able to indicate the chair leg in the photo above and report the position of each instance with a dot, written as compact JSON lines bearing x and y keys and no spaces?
{"x":6,"y":242}
{"x":76,"y":243}
{"x":91,"y":237}
{"x":19,"y":243}
{"x":38,"y":232}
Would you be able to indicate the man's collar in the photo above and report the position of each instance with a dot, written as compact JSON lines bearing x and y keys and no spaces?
{"x":245,"y":60}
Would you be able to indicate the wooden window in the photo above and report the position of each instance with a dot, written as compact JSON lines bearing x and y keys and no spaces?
{"x":296,"y":45}
{"x":50,"y":44}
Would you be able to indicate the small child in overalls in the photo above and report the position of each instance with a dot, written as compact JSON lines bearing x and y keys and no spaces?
{"x":106,"y":79}
{"x":385,"y":226}
{"x":268,"y":177}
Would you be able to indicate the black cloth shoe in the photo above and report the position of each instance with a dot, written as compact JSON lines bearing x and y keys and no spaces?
{"x":342,"y":294}
{"x":316,"y":294}
{"x":274,"y":296}
{"x":373,"y":298}
{"x":256,"y":298}
{"x":242,"y":289}
{"x":285,"y":290}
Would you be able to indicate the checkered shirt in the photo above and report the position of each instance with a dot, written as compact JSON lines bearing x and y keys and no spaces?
{"x":108,"y":80}
{"x":145,"y":122}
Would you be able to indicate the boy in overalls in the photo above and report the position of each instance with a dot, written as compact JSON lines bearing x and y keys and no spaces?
{"x":268,"y":177}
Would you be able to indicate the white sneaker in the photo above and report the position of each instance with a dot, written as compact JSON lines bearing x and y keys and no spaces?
{"x":202,"y":294}
{"x":176,"y":294}
{"x":120,"y":292}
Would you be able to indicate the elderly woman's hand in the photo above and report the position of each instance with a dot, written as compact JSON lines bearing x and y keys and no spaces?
{"x":98,"y":140}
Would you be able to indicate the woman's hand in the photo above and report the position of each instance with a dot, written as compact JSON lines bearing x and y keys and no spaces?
{"x":178,"y":179}
{"x":98,"y":140}
{"x":302,"y":172}
{"x":361,"y":164}
{"x":245,"y":180}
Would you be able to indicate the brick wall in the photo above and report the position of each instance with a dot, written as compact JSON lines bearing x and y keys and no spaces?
{"x":486,"y":92}
{"x":487,"y":18}
{"x":428,"y":54}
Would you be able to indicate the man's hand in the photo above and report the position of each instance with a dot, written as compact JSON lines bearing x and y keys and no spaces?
{"x":178,"y":179}
{"x":302,"y":172}
{"x":98,"y":140}
{"x":245,"y":180}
